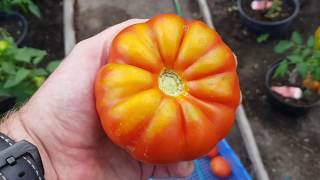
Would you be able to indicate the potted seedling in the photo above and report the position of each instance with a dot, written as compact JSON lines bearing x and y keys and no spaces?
{"x":20,"y":73}
{"x":268,"y":16}
{"x":294,"y":82}
{"x":12,"y":21}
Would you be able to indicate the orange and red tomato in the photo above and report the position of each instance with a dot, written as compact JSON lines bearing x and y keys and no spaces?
{"x":169,"y":90}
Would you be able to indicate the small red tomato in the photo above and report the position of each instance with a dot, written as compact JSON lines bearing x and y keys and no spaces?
{"x":220,"y":167}
{"x":213,"y":153}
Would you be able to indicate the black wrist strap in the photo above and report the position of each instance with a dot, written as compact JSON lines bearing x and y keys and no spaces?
{"x":19,"y":161}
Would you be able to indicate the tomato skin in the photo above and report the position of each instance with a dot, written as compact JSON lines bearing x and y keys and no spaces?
{"x":214,"y":152}
{"x":220,"y":167}
{"x":169,"y":90}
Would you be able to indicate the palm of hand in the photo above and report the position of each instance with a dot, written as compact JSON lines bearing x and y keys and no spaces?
{"x":73,"y":140}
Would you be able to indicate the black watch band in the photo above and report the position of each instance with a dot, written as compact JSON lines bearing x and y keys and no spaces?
{"x":19,"y":161}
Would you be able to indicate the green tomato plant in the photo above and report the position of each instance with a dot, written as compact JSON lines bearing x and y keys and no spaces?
{"x":20,"y":73}
{"x":26,"y":6}
{"x":275,"y":10}
{"x":302,"y":58}
{"x":262,"y":38}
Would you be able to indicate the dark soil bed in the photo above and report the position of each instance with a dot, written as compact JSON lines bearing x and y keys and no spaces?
{"x":287,"y":10}
{"x":47,"y":32}
{"x":289,"y":145}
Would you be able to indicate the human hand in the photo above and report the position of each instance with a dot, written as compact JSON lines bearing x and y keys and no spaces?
{"x":61,"y":120}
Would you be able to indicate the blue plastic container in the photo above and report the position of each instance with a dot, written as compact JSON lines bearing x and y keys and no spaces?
{"x":202,"y":166}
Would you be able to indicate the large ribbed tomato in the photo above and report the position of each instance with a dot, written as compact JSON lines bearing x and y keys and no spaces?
{"x":169,"y":90}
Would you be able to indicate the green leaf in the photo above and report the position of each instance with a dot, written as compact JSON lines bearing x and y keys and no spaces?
{"x":8,"y":67}
{"x":296,"y":38}
{"x":22,"y":74}
{"x":306,"y":52}
{"x":302,"y":68}
{"x":53,"y":65}
{"x":23,"y":91}
{"x":295,"y":59}
{"x":282,"y":69}
{"x":24,"y":55}
{"x":26,"y":6}
{"x":283,"y":46}
{"x":262,"y":38}
{"x":40,"y":72}
{"x":29,"y":55}
{"x":4,"y":92}
{"x":297,"y":50}
{"x":13,"y":80}
{"x":39,"y":57}
{"x":310,"y":42}
{"x":16,"y":2}
{"x":9,"y":82}
{"x":317,"y":55}
{"x":34,"y":9}
{"x":316,"y":74}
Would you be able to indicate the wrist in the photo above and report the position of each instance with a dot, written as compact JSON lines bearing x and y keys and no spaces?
{"x":15,"y":128}
{"x":12,"y":126}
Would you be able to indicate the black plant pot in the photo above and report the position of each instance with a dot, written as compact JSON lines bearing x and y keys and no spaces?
{"x":279,"y":102}
{"x":271,"y":27}
{"x":16,"y":24}
{"x":6,"y":103}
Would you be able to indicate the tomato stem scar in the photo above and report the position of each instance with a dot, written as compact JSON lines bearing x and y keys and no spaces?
{"x":170,"y":83}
